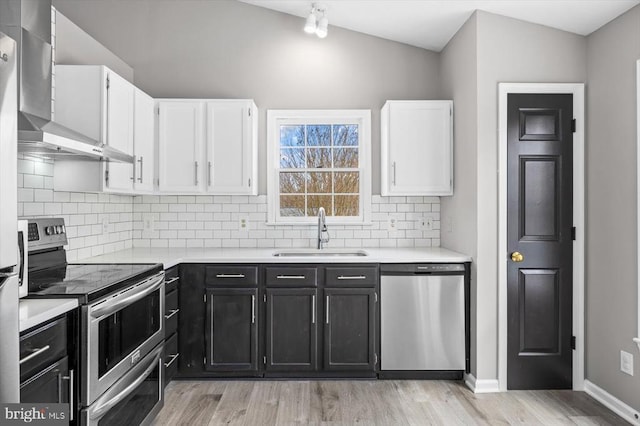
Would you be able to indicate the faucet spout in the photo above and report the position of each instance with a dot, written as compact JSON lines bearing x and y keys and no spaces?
{"x":322,"y":228}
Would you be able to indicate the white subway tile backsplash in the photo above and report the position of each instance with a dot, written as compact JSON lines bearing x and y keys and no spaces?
{"x":206,"y":221}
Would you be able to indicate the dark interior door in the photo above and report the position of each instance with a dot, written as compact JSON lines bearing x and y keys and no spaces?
{"x":539,"y":240}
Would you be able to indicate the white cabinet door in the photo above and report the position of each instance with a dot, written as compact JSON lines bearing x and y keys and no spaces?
{"x":231,"y":147}
{"x":416,"y":141}
{"x":118,"y":126}
{"x":143,"y":140}
{"x":180,"y":139}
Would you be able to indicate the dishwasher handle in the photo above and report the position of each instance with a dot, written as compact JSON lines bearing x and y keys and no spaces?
{"x":423,"y":269}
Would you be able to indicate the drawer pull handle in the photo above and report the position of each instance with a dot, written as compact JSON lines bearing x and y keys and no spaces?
{"x":230,"y":276}
{"x":173,"y":358}
{"x":34,"y":354}
{"x":291,"y":277}
{"x":171,"y":281}
{"x":173,"y":312}
{"x":352,"y":277}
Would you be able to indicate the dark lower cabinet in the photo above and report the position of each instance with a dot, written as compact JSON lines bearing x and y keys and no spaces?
{"x":49,"y":385}
{"x":349,"y":329}
{"x":231,"y":343}
{"x":291,"y":329}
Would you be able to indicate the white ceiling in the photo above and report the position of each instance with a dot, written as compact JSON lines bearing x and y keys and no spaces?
{"x":430,"y":24}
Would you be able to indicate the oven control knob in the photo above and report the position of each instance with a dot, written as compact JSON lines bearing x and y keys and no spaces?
{"x":58,"y":229}
{"x":48,"y":230}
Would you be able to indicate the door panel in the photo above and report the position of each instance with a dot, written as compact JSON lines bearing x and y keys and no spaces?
{"x":119,"y":125}
{"x":540,"y":212}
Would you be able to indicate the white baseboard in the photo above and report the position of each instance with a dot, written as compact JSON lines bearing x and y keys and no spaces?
{"x":611,"y":402}
{"x":481,"y":386}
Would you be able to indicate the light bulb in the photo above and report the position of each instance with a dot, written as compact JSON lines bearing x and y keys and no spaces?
{"x":323,"y":27}
{"x":310,"y":24}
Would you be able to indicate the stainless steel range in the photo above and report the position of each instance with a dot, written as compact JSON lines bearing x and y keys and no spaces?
{"x":121,"y":330}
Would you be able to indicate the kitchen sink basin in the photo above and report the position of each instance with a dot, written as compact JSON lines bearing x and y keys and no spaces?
{"x":319,"y":253}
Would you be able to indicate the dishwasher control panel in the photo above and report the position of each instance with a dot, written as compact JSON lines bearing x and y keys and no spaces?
{"x":409,"y":268}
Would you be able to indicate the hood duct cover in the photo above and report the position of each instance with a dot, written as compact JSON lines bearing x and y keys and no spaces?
{"x":29,"y":23}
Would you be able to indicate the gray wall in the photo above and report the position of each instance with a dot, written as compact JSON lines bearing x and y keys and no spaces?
{"x":611,"y":212}
{"x":458,"y":214}
{"x":228,"y":49}
{"x":509,"y":50}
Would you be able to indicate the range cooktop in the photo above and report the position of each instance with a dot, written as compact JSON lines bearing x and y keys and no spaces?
{"x":87,"y":282}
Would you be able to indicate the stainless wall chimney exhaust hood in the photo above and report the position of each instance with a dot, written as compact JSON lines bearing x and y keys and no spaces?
{"x":29,"y":23}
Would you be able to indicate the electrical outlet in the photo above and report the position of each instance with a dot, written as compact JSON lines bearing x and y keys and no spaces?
{"x":243,"y":223}
{"x":392,"y":224}
{"x":105,"y":225}
{"x":425,"y":224}
{"x":147,"y":223}
{"x":626,"y":363}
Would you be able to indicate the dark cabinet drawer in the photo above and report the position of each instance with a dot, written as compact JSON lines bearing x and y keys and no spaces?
{"x":51,"y":385}
{"x":231,"y":276}
{"x":171,"y":356}
{"x":356,"y":276}
{"x":292,"y":276}
{"x":171,"y":283}
{"x":42,"y":347}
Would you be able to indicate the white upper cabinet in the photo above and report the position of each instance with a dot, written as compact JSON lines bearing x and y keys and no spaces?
{"x":98,"y":103}
{"x":207,"y":146}
{"x":231,"y":137}
{"x":417,"y":148}
{"x":180,"y":145}
{"x":144,"y":142}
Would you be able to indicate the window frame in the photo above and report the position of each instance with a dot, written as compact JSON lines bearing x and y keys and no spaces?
{"x":276,"y":118}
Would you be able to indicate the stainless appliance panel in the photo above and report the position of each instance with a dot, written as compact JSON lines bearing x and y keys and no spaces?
{"x":422,"y":322}
{"x":8,"y":152}
{"x":95,"y":384}
{"x":9,"y":338}
{"x":140,"y":393}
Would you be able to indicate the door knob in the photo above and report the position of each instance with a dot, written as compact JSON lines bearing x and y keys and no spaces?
{"x":516,"y":256}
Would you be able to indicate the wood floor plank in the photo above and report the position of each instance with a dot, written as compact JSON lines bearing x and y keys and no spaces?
{"x":372,"y":402}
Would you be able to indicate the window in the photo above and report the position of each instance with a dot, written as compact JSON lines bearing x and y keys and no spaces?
{"x":319,"y":158}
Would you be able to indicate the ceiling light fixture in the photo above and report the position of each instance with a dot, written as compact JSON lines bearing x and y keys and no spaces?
{"x":314,"y":26}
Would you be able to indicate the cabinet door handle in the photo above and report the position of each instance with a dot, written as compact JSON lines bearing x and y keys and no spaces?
{"x":34,"y":354}
{"x":71,"y":393}
{"x":173,"y":358}
{"x":211,"y":332}
{"x":327,"y":308}
{"x":173,"y":312}
{"x":196,"y":173}
{"x":394,"y":172}
{"x":141,"y":161}
{"x":313,"y":309}
{"x":133,"y":178}
{"x":172,"y":280}
{"x":253,"y":309}
{"x":209,"y":173}
{"x":230,"y":276}
{"x":290,"y":277}
{"x":352,"y":277}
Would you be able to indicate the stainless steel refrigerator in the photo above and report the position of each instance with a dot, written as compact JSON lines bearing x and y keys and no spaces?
{"x":9,"y":310}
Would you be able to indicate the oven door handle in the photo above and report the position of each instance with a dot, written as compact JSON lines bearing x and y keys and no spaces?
{"x":108,"y":308}
{"x":107,"y":401}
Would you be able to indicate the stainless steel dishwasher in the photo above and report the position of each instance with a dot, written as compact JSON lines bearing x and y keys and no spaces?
{"x":422,"y":319}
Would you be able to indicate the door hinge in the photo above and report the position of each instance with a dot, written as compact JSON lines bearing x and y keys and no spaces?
{"x":108,"y":82}
{"x":249,"y":182}
{"x":204,"y":298}
{"x":249,"y":112}
{"x":264,"y":360}
{"x":158,"y":110}
{"x":573,"y":125}
{"x":106,"y":177}
{"x":573,"y":233}
{"x":204,"y":361}
{"x":573,"y":342}
{"x":375,"y":359}
{"x":264,"y":297}
{"x":375,"y":295}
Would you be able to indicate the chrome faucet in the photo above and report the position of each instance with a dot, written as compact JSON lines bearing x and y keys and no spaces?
{"x":322,"y":228}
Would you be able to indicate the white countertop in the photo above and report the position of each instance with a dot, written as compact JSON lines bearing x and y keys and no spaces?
{"x":173,"y":256}
{"x":37,"y":311}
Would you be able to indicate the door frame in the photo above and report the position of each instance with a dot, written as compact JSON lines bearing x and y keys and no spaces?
{"x":577,"y":90}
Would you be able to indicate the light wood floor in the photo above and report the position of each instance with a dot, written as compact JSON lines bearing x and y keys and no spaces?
{"x":380,"y":402}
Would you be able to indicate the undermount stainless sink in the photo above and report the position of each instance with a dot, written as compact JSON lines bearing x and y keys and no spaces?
{"x":319,"y":252}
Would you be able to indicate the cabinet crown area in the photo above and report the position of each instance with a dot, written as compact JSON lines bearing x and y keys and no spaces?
{"x":416,"y":139}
